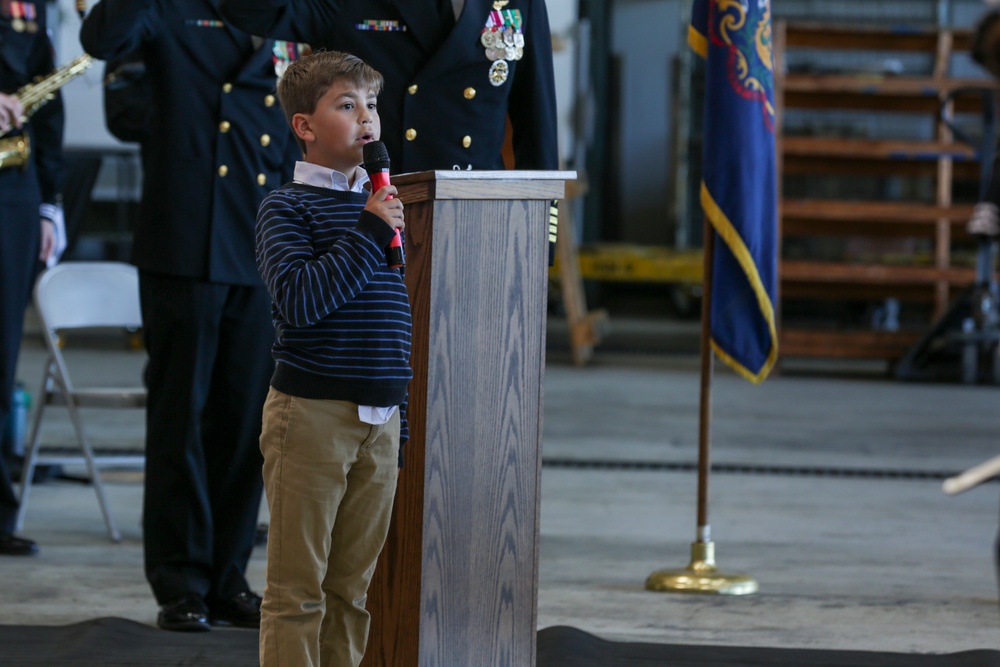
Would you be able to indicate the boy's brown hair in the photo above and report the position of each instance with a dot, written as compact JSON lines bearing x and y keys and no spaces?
{"x":307,"y":79}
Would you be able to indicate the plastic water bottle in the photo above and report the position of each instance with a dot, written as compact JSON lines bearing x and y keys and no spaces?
{"x":18,"y":423}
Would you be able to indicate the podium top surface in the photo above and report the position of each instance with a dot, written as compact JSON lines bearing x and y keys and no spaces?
{"x":501,"y":184}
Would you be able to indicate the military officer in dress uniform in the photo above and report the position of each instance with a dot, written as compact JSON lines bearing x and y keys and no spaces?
{"x":450,"y":83}
{"x":219,"y":143}
{"x":30,"y":187}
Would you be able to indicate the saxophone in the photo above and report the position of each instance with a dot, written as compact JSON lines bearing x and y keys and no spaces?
{"x":14,"y":151}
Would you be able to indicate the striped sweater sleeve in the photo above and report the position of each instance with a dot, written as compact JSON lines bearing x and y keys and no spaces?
{"x":313,"y":269}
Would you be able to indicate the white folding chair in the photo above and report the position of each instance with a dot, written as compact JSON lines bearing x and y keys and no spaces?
{"x":82,"y":295}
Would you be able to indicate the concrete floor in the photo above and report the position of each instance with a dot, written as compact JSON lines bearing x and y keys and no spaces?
{"x":829,"y":495}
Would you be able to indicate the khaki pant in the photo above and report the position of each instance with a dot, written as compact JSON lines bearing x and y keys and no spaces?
{"x":330,"y":480}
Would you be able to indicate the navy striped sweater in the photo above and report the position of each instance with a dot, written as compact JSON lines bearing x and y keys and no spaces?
{"x":341,"y":316}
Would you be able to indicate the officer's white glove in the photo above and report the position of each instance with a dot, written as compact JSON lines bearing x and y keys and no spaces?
{"x":985,"y":220}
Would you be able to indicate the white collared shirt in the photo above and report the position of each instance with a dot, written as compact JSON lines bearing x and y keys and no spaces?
{"x":308,"y":173}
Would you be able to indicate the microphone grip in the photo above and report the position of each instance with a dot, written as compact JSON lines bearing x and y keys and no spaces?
{"x":393,"y":253}
{"x":379,"y":180}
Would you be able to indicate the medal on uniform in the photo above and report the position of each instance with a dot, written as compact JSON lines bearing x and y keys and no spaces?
{"x":498,"y":72}
{"x":285,"y":53}
{"x":29,"y":13}
{"x":491,"y":36}
{"x":502,"y":40}
{"x":23,"y":15}
{"x":515,"y":22}
{"x":508,"y":42}
{"x":17,"y":16}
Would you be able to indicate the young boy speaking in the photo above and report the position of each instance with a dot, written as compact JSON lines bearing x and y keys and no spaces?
{"x":332,"y":425}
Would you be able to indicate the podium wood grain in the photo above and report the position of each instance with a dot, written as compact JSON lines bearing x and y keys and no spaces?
{"x":456,"y":584}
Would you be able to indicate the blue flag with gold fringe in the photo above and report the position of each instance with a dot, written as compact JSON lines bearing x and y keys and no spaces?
{"x":739,"y":181}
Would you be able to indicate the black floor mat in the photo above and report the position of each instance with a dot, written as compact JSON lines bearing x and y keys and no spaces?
{"x":562,"y":646}
{"x":116,"y":642}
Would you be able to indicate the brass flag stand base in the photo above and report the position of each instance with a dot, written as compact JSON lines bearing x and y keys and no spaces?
{"x":701,"y":576}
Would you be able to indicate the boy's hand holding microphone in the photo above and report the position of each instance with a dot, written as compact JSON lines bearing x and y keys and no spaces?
{"x":381,"y":202}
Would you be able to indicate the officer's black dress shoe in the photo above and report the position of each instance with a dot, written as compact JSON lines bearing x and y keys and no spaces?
{"x":186,"y":614}
{"x":240,"y":611}
{"x":16,"y":546}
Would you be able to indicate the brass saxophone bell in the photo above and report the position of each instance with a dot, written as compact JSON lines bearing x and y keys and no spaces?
{"x":14,"y":151}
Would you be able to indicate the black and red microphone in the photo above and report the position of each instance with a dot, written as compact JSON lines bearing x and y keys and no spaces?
{"x":377,"y":165}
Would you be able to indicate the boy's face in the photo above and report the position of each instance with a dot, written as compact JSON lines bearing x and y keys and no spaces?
{"x":345,"y":119}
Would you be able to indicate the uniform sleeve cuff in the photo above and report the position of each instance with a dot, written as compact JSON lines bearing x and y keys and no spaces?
{"x":50,"y":212}
{"x":54,"y":213}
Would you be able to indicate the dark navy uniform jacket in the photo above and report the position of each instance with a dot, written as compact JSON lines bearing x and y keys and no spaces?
{"x":439,"y":108}
{"x":219,"y":140}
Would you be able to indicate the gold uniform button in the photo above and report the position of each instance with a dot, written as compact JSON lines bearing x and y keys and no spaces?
{"x":412,"y":89}
{"x":227,"y":87}
{"x":224,"y":126}
{"x":469,"y":93}
{"x":466,"y":141}
{"x":265,"y":139}
{"x":261,"y":179}
{"x":223,"y":170}
{"x":269,"y":101}
{"x":411,"y":134}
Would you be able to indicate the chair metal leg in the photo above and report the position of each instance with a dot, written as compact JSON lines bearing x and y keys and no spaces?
{"x":31,"y":449}
{"x":95,"y":476}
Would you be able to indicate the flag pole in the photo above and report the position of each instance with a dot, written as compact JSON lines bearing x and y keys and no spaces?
{"x":702,"y":575}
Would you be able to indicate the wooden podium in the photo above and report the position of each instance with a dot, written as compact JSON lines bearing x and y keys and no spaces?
{"x":457,"y":582}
